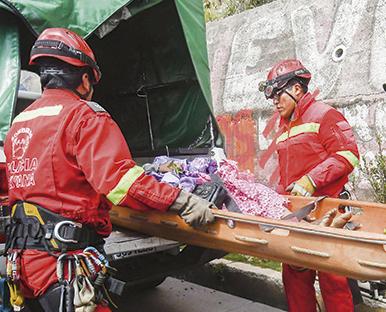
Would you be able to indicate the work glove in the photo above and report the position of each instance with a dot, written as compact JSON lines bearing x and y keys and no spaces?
{"x":193,"y":209}
{"x":302,"y":187}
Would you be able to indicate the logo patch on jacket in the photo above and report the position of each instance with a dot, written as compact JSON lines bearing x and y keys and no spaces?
{"x":21,"y":169}
{"x":20,"y":142}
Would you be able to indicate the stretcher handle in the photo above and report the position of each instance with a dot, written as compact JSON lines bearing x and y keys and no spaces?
{"x":310,"y":252}
{"x":372,"y":264}
{"x":248,"y":239}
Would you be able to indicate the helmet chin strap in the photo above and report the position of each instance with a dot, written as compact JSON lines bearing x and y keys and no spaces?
{"x":296,"y":102}
{"x":291,"y":96}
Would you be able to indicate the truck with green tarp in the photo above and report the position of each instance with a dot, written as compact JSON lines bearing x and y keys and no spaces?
{"x":155,"y":84}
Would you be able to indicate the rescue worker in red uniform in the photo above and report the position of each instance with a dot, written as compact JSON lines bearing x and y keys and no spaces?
{"x":3,"y":187}
{"x":3,"y":179}
{"x":316,"y":153}
{"x":67,"y":163}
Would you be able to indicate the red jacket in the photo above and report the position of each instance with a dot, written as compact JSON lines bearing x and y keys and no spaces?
{"x":3,"y":178}
{"x":3,"y":182}
{"x":70,"y":157}
{"x":3,"y":186}
{"x":318,"y":142}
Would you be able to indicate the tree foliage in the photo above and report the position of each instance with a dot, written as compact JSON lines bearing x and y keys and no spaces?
{"x":218,"y":9}
{"x":374,"y":171}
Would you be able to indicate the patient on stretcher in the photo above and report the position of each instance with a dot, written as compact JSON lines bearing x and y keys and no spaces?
{"x":249,"y":196}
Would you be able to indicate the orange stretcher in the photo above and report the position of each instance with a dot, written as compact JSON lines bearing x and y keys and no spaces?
{"x":358,"y":254}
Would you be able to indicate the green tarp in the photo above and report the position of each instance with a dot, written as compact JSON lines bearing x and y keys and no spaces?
{"x":81,"y":16}
{"x":193,"y":23}
{"x":153,"y":57}
{"x":9,"y":69}
{"x":160,"y":49}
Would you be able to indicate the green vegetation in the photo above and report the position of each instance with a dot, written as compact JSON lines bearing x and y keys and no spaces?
{"x":218,"y":9}
{"x":218,"y":270}
{"x":374,"y":171}
{"x":262,"y":263}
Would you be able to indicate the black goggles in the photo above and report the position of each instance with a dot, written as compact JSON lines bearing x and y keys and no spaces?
{"x":272,"y":87}
{"x":276,"y":86}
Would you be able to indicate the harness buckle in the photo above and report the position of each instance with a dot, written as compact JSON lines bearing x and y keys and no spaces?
{"x":63,"y":223}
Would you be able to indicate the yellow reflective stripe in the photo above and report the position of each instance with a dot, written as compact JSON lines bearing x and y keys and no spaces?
{"x":39,"y":112}
{"x":282,"y":137}
{"x":311,"y":127}
{"x":121,"y":189}
{"x":351,"y":158}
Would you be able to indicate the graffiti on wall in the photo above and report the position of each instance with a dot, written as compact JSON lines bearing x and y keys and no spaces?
{"x":342,"y":42}
{"x":240,"y":138}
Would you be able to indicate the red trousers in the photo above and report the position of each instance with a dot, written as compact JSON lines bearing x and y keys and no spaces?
{"x":300,"y":291}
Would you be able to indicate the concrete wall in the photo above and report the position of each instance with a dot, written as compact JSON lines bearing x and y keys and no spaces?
{"x":342,"y":42}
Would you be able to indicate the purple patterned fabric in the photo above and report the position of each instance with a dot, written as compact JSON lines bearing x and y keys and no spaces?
{"x":186,"y":175}
{"x":160,"y":160}
{"x":202,"y":165}
{"x":252,"y":198}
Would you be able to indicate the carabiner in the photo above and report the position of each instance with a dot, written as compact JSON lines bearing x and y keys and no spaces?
{"x":60,"y":267}
{"x":100,"y":256}
{"x":62,"y":223}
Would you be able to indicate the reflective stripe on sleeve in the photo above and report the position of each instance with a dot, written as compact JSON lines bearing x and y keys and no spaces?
{"x":39,"y":112}
{"x":311,"y":127}
{"x":123,"y":186}
{"x":350,"y":157}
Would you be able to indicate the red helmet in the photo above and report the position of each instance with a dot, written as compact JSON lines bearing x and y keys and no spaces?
{"x":66,"y":46}
{"x":281,"y":74}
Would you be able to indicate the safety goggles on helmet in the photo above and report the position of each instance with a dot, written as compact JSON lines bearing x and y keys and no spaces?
{"x":271,"y":89}
{"x":274,"y":87}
